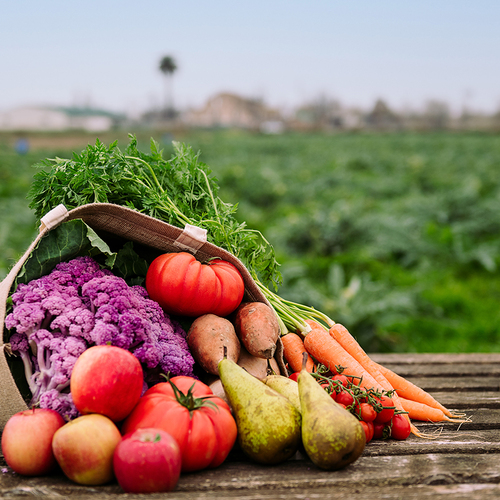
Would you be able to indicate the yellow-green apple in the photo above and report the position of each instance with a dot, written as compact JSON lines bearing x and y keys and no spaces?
{"x":84,"y":448}
{"x":107,"y":380}
{"x":146,"y":461}
{"x":27,"y":441}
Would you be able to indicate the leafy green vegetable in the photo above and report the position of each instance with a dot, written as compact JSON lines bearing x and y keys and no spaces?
{"x":178,"y":191}
{"x":130,"y":266}
{"x":65,"y":242}
{"x":75,"y":238}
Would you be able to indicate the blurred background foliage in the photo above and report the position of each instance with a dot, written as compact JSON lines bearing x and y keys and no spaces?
{"x":395,"y":235}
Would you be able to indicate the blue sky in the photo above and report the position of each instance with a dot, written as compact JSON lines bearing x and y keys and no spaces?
{"x":106,"y":53}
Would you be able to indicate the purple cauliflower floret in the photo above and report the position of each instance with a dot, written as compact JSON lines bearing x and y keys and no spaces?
{"x":137,"y":318}
{"x":126,"y":317}
{"x":77,"y":322}
{"x":56,"y":355}
{"x":104,"y":333}
{"x":82,"y":270}
{"x":57,"y":317}
{"x":26,"y":318}
{"x":101,"y":291}
{"x":61,"y":402}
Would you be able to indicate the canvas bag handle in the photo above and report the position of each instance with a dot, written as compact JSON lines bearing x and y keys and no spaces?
{"x":131,"y":225}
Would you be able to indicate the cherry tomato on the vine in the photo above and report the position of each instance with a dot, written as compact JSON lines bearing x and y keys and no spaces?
{"x":367,"y":412}
{"x":400,"y":428}
{"x":387,"y":411}
{"x":294,"y":376}
{"x":328,"y":388}
{"x":368,"y":428}
{"x":378,"y":430}
{"x":345,"y":398}
{"x":324,"y":384}
{"x":342,"y":379}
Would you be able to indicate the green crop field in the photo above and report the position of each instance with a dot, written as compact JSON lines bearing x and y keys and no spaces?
{"x":396,"y":236}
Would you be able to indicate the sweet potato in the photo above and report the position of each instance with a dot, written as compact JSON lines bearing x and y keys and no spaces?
{"x":207,"y":337}
{"x":257,"y":366}
{"x":253,"y":365}
{"x":258,"y":329}
{"x":217,"y":388}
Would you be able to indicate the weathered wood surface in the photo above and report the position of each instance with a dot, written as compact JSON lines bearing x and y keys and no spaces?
{"x":461,"y":462}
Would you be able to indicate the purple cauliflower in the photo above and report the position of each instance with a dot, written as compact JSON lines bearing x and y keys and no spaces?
{"x":57,"y":317}
{"x":61,"y":402}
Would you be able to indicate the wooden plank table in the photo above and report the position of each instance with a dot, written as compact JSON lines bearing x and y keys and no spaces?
{"x":461,"y":462}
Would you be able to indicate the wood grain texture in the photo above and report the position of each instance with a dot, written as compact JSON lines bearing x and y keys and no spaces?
{"x":462,"y":461}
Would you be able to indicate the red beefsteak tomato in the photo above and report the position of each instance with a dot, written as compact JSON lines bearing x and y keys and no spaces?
{"x":184,"y":286}
{"x":200,"y":422}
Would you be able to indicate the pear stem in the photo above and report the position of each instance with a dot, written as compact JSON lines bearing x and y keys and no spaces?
{"x":269,"y":369}
{"x":304,"y":360}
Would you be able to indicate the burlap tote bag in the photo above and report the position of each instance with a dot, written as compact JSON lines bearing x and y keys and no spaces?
{"x":110,"y":219}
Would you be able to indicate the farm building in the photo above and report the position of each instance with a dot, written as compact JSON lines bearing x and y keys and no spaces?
{"x":228,"y":110}
{"x":58,"y":118}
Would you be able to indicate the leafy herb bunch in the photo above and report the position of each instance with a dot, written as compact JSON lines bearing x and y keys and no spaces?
{"x":180,"y":191}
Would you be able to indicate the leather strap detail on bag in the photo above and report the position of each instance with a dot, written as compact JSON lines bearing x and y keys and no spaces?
{"x":53,"y":218}
{"x":191,"y":239}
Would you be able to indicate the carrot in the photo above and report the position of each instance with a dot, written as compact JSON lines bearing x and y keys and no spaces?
{"x":293,"y":351}
{"x":325,"y":349}
{"x":342,"y":335}
{"x":410,"y":391}
{"x":421,"y":411}
{"x":350,"y":344}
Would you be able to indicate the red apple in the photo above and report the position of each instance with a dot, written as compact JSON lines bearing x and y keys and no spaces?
{"x":27,"y":441}
{"x":147,"y":461}
{"x":84,"y":449}
{"x":106,"y":380}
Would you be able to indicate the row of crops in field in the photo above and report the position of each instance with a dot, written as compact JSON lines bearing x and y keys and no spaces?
{"x":396,"y":236}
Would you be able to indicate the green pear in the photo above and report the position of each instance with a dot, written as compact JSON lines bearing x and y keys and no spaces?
{"x":332,"y":436}
{"x":268,"y":424}
{"x":286,"y":386}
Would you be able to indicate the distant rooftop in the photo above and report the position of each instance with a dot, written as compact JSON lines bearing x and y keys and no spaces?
{"x":84,"y":111}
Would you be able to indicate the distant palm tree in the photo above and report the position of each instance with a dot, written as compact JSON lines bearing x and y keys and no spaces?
{"x":168,"y":67}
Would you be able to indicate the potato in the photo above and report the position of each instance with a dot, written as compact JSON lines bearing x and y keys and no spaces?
{"x":207,"y":337}
{"x":258,"y":329}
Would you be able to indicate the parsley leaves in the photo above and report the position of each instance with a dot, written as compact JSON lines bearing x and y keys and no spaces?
{"x":178,"y":191}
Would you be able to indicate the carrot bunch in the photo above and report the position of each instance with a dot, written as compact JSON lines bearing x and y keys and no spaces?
{"x":335,"y":347}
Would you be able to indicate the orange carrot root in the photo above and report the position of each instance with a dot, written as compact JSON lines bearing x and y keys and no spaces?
{"x":293,"y":350}
{"x":327,"y":351}
{"x":425,"y":413}
{"x":430,"y":409}
{"x":408,"y":390}
{"x":350,"y":344}
{"x":337,"y":347}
